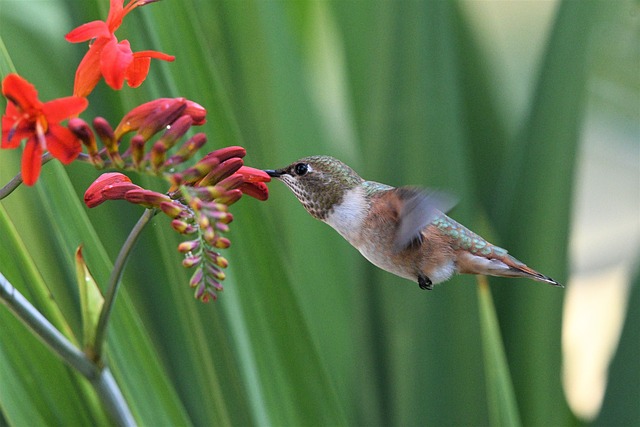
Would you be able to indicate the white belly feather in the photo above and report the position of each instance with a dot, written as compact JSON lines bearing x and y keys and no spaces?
{"x":347,"y":218}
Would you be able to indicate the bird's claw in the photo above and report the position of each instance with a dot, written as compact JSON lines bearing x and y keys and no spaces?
{"x":425,"y":283}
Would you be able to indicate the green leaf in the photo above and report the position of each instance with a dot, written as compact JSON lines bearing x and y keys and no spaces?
{"x":503,"y":409}
{"x":91,"y":301}
{"x":6,"y":66}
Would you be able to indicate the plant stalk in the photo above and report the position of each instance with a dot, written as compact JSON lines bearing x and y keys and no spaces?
{"x":99,"y":377}
{"x":17,"y":180}
{"x":114,"y":279}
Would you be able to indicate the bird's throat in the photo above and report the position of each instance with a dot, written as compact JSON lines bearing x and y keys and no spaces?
{"x":348,"y":216}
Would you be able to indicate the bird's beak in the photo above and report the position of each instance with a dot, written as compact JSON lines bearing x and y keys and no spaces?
{"x":273,"y":173}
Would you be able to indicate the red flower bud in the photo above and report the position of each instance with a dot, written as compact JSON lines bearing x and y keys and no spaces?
{"x":220,"y":172}
{"x":187,"y":150}
{"x":82,"y":130}
{"x":188,"y":246}
{"x":172,"y":209}
{"x":146,"y":198}
{"x":108,"y":186}
{"x":197,"y":112}
{"x":226,"y":153}
{"x":257,"y":190}
{"x":253,"y":175}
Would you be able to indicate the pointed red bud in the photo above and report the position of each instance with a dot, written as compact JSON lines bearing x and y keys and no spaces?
{"x":151,"y":117}
{"x":172,"y":209}
{"x":136,"y":146}
{"x":226,"y":153}
{"x":208,"y":193}
{"x":222,"y":171}
{"x":176,"y":130}
{"x":222,"y":227}
{"x":214,"y":271}
{"x":196,"y":278}
{"x":222,"y":243}
{"x":182,"y":227}
{"x":213,"y":283}
{"x":108,"y":186}
{"x":253,"y":175}
{"x":187,"y":150}
{"x":257,"y":190}
{"x":146,"y":198}
{"x":195,"y":173}
{"x":197,"y":112}
{"x":105,"y":132}
{"x":191,"y":261}
{"x":118,"y":191}
{"x":217,"y":259}
{"x":230,"y":197}
{"x":158,"y":153}
{"x":81,"y":129}
{"x":188,"y":246}
{"x":232,"y":182}
{"x":209,"y":235}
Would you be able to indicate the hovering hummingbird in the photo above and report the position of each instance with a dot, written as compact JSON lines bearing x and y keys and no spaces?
{"x":401,"y":230}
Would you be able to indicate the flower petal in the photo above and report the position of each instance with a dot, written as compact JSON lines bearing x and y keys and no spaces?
{"x":31,"y":161}
{"x":155,"y":55}
{"x":253,"y":175}
{"x":116,"y":13}
{"x":62,"y":143}
{"x":20,"y":92}
{"x":63,"y":108}
{"x":88,"y":31}
{"x":114,"y":61}
{"x":257,"y":190}
{"x":139,"y":68}
{"x":137,"y":71}
{"x":88,"y":73}
{"x":12,"y":134}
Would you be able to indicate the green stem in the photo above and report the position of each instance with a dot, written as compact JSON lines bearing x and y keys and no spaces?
{"x":31,"y":317}
{"x":17,"y":180}
{"x":101,"y":378}
{"x":114,"y":279}
{"x":112,"y":397}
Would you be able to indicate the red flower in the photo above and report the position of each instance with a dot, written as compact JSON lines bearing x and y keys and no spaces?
{"x":108,"y":58}
{"x":254,"y":182}
{"x":27,"y":117}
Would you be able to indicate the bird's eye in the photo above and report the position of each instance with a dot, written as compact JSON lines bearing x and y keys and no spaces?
{"x":301,"y":169}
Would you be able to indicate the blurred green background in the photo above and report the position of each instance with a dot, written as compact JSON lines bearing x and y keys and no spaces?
{"x":525,"y":110}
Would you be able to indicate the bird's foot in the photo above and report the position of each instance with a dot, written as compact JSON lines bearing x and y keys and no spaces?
{"x":424,"y":282}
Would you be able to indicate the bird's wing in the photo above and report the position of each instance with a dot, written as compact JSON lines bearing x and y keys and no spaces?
{"x":417,"y":210}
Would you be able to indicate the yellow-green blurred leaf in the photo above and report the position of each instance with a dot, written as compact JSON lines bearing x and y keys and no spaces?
{"x":91,"y":301}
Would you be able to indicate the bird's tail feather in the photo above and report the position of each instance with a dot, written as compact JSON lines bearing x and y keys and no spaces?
{"x":504,"y":266}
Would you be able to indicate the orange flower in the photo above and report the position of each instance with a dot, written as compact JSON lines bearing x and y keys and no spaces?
{"x":107,"y":58}
{"x":28,"y":118}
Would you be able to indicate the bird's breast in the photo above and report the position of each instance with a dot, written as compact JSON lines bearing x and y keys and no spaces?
{"x":348,"y":216}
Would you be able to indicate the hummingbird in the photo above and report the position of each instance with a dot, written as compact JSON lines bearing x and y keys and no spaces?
{"x":403,"y":230}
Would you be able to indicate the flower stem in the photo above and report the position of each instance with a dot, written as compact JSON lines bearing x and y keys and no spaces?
{"x":100,"y":377}
{"x":31,"y":317}
{"x":112,"y":397}
{"x":17,"y":180}
{"x":114,"y":279}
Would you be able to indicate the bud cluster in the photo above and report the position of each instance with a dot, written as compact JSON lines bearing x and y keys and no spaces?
{"x":173,"y":115}
{"x":198,"y":198}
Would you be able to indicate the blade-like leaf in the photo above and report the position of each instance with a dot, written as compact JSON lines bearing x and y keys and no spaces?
{"x":503,"y":409}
